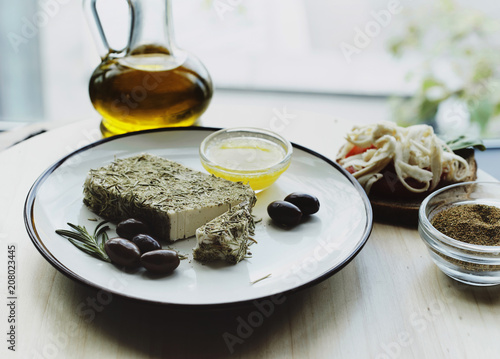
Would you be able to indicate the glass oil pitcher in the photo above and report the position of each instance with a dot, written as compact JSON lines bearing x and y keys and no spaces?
{"x":150,"y":83}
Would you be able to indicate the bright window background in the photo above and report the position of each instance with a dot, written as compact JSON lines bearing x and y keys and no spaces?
{"x":289,"y":46}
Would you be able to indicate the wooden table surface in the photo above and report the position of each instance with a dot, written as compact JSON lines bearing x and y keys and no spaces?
{"x":391,"y":301}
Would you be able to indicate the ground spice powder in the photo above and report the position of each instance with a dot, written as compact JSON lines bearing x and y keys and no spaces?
{"x":471,"y":223}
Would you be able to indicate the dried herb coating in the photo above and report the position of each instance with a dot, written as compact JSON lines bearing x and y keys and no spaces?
{"x":227,"y":237}
{"x":173,"y":199}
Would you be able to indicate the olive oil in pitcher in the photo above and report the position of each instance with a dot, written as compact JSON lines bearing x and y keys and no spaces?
{"x":151,"y":83}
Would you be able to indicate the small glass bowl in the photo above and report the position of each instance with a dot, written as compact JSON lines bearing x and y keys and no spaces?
{"x":247,"y":147}
{"x":473,"y":264}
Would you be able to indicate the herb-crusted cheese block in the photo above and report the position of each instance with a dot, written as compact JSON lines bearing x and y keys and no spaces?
{"x":226,"y":237}
{"x":173,"y":199}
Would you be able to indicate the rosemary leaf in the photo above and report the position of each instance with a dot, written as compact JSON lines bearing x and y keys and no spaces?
{"x":100,"y":229}
{"x":87,"y":243}
{"x":258,"y":280}
{"x":79,"y":229}
{"x":72,"y":235}
{"x":84,"y":247}
{"x":105,"y":238}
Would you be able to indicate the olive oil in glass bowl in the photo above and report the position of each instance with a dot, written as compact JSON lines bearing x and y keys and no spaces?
{"x":250,"y":155}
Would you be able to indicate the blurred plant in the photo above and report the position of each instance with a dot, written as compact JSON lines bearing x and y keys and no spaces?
{"x":224,"y":6}
{"x":460,"y":61}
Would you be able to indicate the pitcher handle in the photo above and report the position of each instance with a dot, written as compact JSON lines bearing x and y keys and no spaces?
{"x":103,"y":48}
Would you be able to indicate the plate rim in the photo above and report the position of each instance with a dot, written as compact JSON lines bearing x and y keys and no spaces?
{"x":46,"y":254}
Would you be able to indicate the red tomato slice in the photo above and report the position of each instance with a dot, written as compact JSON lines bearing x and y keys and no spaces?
{"x":350,"y":169}
{"x":357,"y":150}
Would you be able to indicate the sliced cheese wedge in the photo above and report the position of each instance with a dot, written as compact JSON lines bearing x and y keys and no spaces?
{"x":173,"y":199}
{"x":226,"y":237}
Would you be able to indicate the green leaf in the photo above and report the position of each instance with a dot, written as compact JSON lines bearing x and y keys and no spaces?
{"x":496,"y":110}
{"x":465,"y":142}
{"x":429,"y":82}
{"x":481,"y":113}
{"x":428,"y":110}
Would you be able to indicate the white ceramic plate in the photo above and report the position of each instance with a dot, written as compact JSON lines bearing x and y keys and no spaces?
{"x":295,"y":258}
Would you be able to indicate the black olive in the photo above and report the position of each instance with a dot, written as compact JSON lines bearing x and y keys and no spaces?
{"x":160,"y":261}
{"x":307,"y":203}
{"x":122,"y":252}
{"x":146,"y":243}
{"x":131,"y":227}
{"x":284,"y":213}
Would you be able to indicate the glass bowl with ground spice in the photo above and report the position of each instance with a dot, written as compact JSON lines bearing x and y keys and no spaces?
{"x":460,"y":224}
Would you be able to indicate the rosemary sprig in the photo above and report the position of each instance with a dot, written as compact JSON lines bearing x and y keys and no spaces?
{"x":258,"y":280}
{"x":86,"y":242}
